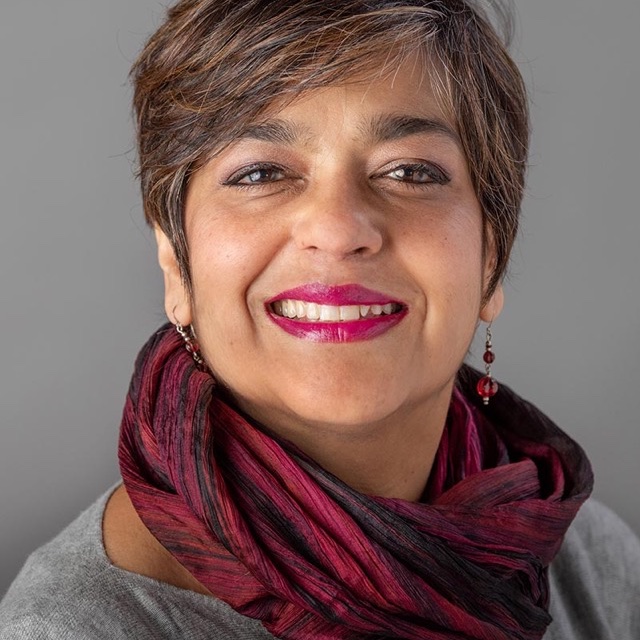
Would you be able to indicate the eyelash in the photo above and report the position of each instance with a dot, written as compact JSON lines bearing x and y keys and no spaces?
{"x":433,"y":173}
{"x":235,"y":179}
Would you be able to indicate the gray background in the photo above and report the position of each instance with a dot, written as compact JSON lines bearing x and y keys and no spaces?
{"x":80,"y":291}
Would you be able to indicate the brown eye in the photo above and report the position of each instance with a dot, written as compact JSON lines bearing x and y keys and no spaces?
{"x":418,"y":174}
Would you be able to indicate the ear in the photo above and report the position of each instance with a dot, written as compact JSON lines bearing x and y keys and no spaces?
{"x":493,"y":306}
{"x":177,"y":303}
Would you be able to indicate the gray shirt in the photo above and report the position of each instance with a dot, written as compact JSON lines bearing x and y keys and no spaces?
{"x":68,"y":590}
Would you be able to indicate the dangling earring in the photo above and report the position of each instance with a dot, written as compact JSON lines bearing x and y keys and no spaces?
{"x":487,"y":387}
{"x":191,"y":343}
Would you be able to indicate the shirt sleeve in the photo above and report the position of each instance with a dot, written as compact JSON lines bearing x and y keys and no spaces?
{"x":33,"y":628}
{"x":595,"y":580}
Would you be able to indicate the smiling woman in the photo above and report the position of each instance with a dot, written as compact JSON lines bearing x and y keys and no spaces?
{"x":304,"y":453}
{"x":364,"y":204}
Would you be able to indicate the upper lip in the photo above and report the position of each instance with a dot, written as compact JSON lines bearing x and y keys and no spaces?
{"x":337,"y":295}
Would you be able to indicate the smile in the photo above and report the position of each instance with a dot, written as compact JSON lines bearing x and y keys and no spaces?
{"x":331,"y":313}
{"x":344,"y":313}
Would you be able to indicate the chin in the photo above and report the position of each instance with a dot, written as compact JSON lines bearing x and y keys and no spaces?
{"x":343,"y":408}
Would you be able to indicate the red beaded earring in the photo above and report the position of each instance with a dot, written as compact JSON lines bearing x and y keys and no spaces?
{"x":487,"y":387}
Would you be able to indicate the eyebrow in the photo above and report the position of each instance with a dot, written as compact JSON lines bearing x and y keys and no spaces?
{"x":394,"y":127}
{"x":382,"y":128}
{"x":276,"y":131}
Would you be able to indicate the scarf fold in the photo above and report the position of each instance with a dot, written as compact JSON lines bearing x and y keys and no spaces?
{"x":268,"y":531}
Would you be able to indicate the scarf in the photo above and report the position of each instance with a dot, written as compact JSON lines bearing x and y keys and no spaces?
{"x":267,"y":530}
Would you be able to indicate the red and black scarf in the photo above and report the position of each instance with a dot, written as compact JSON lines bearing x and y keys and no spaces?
{"x":268,"y":531}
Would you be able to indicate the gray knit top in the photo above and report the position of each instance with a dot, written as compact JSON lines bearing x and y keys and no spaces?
{"x":68,"y":590}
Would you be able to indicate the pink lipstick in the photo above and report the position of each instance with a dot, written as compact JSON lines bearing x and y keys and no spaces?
{"x":340,"y":313}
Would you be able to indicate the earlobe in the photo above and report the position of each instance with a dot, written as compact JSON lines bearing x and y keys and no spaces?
{"x":492,"y":308}
{"x":177,"y":304}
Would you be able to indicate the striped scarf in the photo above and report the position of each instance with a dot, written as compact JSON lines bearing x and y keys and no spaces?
{"x":278,"y":538}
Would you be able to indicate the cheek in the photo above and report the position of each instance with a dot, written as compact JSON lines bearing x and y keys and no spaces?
{"x":221,"y":273}
{"x":215,"y":244}
{"x":228,"y":260}
{"x":446,"y":256}
{"x":448,"y":266}
{"x":224,"y":258}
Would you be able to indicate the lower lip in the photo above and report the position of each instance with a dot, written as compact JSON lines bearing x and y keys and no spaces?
{"x":348,"y":331}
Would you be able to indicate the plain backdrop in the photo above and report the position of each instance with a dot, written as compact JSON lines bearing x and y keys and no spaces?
{"x":80,"y":291}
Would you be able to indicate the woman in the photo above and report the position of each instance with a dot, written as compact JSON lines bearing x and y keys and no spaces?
{"x":335,"y":190}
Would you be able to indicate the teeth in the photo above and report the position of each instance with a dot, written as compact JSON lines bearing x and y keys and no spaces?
{"x":352,"y":312}
{"x":331,"y":313}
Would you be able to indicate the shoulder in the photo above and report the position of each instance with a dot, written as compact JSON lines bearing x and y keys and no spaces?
{"x":595,"y":579}
{"x":69,"y":590}
{"x":56,"y":582}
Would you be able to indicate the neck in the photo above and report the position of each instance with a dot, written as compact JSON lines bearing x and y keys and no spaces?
{"x":391,"y":458}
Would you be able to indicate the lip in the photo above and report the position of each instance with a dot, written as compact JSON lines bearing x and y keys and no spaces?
{"x":337,"y":295}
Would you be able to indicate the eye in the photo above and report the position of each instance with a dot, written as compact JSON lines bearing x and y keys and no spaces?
{"x":256,"y":174}
{"x":417,"y":174}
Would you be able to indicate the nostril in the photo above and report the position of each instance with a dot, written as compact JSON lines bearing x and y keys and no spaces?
{"x":337,"y":229}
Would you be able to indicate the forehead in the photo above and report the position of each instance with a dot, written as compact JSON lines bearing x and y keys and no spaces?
{"x":400,"y":93}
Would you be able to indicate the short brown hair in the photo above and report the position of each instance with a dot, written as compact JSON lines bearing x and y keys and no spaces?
{"x":214,"y":65}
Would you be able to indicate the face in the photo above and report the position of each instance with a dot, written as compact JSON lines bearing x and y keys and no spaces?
{"x":337,"y":259}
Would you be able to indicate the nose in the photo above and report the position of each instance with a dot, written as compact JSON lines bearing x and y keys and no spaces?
{"x":339,"y":220}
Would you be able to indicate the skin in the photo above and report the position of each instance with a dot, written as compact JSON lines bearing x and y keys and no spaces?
{"x":335,"y":204}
